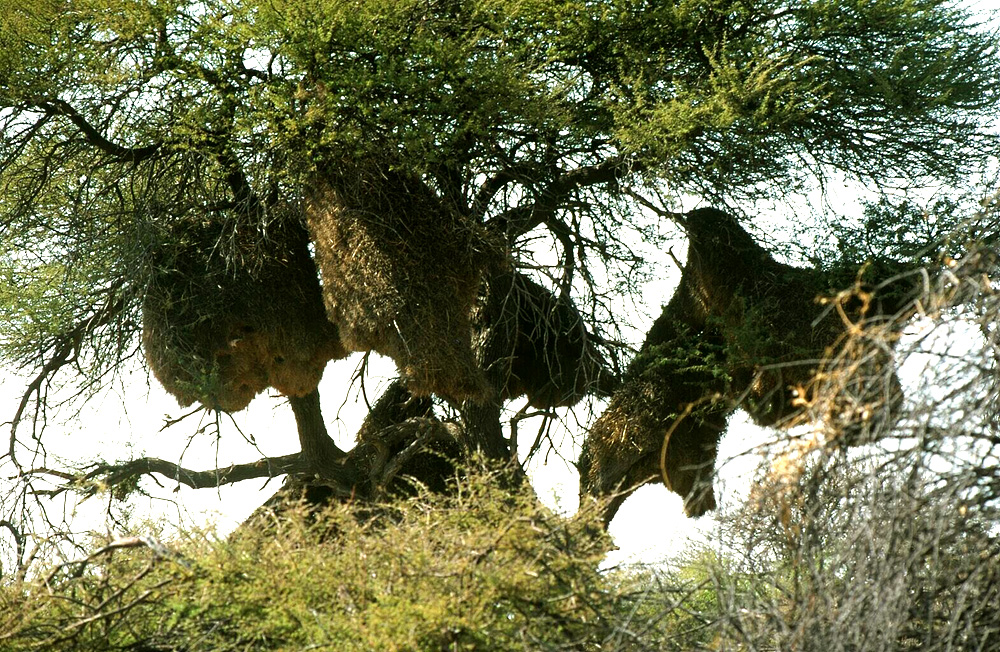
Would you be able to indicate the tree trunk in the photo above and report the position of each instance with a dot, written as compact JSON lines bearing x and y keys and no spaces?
{"x":483,"y":433}
{"x":318,"y":449}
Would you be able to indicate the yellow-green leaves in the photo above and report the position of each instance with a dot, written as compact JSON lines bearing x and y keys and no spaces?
{"x":485,"y":569}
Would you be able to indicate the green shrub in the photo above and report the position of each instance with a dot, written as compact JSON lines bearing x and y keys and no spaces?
{"x":478,"y":570}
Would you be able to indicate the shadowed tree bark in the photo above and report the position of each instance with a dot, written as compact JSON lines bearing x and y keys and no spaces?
{"x":318,"y":448}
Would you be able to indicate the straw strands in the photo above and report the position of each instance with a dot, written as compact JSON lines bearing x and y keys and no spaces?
{"x":401,"y":270}
{"x":230,"y":311}
{"x":536,"y":344}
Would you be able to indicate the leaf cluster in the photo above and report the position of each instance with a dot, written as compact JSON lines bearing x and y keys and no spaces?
{"x":481,"y":570}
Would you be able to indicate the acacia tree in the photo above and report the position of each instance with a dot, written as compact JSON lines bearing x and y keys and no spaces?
{"x":242,"y":192}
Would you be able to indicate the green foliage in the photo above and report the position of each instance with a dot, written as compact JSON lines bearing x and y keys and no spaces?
{"x":481,"y":570}
{"x":121,"y":116}
{"x":688,"y":353}
{"x":430,"y":83}
{"x":732,"y":90}
{"x":901,"y":232}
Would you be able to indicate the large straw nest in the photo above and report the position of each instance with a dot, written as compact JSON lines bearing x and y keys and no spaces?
{"x":401,"y":270}
{"x":674,"y":383}
{"x":778,"y":323}
{"x":537,"y":345}
{"x":230,"y":311}
{"x":742,"y":330}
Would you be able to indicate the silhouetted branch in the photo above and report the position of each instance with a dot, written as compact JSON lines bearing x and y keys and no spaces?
{"x":112,"y":475}
{"x":65,"y":352}
{"x":95,"y":137}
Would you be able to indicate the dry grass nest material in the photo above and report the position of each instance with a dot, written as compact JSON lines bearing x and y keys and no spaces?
{"x":230,"y":311}
{"x":671,"y":387}
{"x":742,"y":330}
{"x":537,"y":344}
{"x":401,"y":270}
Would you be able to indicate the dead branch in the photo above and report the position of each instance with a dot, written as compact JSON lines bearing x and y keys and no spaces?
{"x":111,"y":475}
{"x":159,"y":550}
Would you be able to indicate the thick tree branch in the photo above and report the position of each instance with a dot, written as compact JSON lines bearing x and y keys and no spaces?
{"x":521,"y":219}
{"x":422,"y":433}
{"x":244,"y":196}
{"x":105,"y":475}
{"x":524,"y":171}
{"x":318,"y":448}
{"x":95,"y":137}
{"x":483,"y":432}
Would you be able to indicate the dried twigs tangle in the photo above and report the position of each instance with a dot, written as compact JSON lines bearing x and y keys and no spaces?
{"x":900,"y":535}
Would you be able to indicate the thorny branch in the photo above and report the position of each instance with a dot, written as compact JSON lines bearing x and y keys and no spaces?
{"x":95,"y":137}
{"x":103,"y":475}
{"x":67,"y":349}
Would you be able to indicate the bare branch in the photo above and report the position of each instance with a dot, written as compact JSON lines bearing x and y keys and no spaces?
{"x":66,"y":348}
{"x":551,"y":198}
{"x":111,"y":475}
{"x":95,"y":137}
{"x":422,"y":432}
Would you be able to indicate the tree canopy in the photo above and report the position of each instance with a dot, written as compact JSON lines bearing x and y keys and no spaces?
{"x":241,"y":192}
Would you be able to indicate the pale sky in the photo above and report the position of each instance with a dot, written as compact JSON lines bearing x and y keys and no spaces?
{"x":650,"y":525}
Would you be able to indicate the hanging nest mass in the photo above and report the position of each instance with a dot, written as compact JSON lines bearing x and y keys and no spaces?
{"x":670,"y":411}
{"x":536,"y":344}
{"x":230,"y":311}
{"x":401,"y":270}
{"x":742,"y":330}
